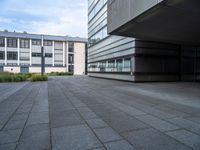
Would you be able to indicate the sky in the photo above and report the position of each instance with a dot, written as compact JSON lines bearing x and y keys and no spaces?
{"x":56,"y":17}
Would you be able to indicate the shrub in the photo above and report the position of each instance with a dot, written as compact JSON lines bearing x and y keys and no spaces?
{"x":60,"y":73}
{"x":11,"y":77}
{"x":37,"y":77}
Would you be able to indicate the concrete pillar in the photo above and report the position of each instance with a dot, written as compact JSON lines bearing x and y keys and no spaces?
{"x":67,"y":55}
{"x":53,"y":53}
{"x":63,"y":53}
{"x":18,"y":52}
{"x":5,"y":51}
{"x":30,"y":55}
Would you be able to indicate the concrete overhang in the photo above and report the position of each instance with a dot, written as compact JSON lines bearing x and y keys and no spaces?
{"x":175,"y":21}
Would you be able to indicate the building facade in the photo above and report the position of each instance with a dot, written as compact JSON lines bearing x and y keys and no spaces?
{"x":21,"y":52}
{"x":114,"y":55}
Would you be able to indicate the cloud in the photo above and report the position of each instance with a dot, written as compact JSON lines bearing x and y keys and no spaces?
{"x":61,"y":17}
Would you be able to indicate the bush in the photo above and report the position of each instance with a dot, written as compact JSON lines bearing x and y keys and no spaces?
{"x":37,"y":77}
{"x":11,"y":77}
{"x":60,"y":73}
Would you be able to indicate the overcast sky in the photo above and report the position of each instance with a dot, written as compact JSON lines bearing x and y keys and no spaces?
{"x":57,"y":17}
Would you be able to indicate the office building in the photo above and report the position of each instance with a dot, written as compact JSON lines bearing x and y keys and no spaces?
{"x":139,"y":40}
{"x":21,"y":52}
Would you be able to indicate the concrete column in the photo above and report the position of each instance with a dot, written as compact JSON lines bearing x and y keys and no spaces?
{"x":5,"y":51}
{"x":53,"y":53}
{"x":30,"y":55}
{"x":67,"y":55}
{"x":18,"y":52}
{"x":63,"y":53}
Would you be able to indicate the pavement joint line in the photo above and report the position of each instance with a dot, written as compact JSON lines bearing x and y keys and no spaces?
{"x":28,"y":116}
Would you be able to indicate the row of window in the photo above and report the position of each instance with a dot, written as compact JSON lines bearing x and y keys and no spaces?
{"x":119,"y":65}
{"x":25,"y":43}
{"x":96,"y":9}
{"x":14,"y":55}
{"x":98,"y":36}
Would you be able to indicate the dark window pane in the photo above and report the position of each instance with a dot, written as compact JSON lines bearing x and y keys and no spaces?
{"x":12,"y":55}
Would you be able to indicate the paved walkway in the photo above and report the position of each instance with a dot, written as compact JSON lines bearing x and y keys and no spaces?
{"x":82,"y":113}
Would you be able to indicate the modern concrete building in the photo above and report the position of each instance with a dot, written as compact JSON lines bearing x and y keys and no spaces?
{"x":21,"y":52}
{"x":150,"y":40}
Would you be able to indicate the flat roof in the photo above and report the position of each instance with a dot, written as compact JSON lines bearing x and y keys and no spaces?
{"x":39,"y":36}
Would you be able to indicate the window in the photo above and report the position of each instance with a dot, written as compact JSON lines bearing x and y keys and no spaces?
{"x":24,"y":56}
{"x":12,"y":42}
{"x":119,"y":65}
{"x":36,"y":54}
{"x":111,"y":64}
{"x":36,"y":42}
{"x":96,"y":9}
{"x":2,"y":55}
{"x":12,"y":55}
{"x":98,"y":36}
{"x":71,"y":59}
{"x":24,"y":43}
{"x":47,"y":43}
{"x":48,"y":54}
{"x":127,"y":63}
{"x":2,"y":42}
{"x":71,"y":47}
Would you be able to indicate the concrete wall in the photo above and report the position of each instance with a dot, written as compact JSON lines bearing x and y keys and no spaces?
{"x":79,"y":58}
{"x":12,"y":69}
{"x":122,"y":11}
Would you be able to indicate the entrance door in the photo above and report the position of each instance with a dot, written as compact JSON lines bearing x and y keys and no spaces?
{"x":24,"y":70}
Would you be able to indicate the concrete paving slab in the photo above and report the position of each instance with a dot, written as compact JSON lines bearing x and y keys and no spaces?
{"x":119,"y":145}
{"x":74,"y":137}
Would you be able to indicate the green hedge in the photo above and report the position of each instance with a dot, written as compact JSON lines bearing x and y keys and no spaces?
{"x":60,"y":74}
{"x":38,"y":77}
{"x":11,"y":77}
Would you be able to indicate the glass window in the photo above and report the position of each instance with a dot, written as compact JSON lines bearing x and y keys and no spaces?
{"x":36,"y":42}
{"x":71,"y":59}
{"x":48,"y":54}
{"x":111,"y":64}
{"x":36,"y":54}
{"x":2,"y":55}
{"x":2,"y":42}
{"x":24,"y":43}
{"x":71,"y":46}
{"x":98,"y":36}
{"x":119,"y":65}
{"x":127,"y":63}
{"x":47,"y":43}
{"x":12,"y":42}
{"x":96,"y":9}
{"x":12,"y":55}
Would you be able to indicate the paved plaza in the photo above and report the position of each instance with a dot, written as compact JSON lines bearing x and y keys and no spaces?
{"x":84,"y":113}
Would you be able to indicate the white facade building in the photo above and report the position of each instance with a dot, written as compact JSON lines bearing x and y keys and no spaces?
{"x":21,"y":52}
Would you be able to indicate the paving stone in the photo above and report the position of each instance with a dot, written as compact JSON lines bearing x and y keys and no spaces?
{"x":9,"y":136}
{"x":74,"y":137}
{"x":83,"y":109}
{"x":102,"y":148}
{"x":89,"y":115}
{"x":187,"y":124}
{"x":65,"y":118}
{"x":187,"y":138}
{"x":20,"y":116}
{"x":121,"y":122}
{"x":119,"y":145}
{"x":38,"y":118}
{"x":8,"y":146}
{"x":35,"y":137}
{"x":157,"y":123}
{"x":96,"y":123}
{"x":151,"y":139}
{"x":107,"y":134}
{"x":15,"y":124}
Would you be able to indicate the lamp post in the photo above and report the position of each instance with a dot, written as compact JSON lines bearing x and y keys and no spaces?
{"x":42,"y":57}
